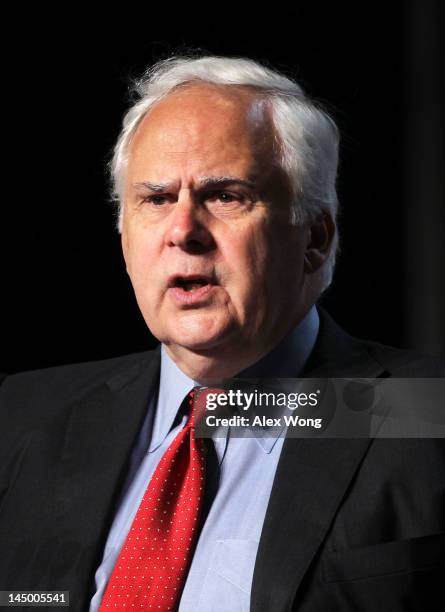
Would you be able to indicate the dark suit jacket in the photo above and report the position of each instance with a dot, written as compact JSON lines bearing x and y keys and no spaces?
{"x":351,"y":524}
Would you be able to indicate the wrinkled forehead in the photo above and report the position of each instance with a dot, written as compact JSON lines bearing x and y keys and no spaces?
{"x":195,"y":115}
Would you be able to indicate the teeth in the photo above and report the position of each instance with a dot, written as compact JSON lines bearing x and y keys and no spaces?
{"x":193,"y":285}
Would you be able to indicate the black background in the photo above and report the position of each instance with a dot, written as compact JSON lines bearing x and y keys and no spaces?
{"x":66,"y":295}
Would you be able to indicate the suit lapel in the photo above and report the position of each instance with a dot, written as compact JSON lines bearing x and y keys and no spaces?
{"x":311,"y":480}
{"x":101,"y":433}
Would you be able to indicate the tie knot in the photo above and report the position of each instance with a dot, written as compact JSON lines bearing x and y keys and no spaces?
{"x":191,"y":403}
{"x":198,"y":401}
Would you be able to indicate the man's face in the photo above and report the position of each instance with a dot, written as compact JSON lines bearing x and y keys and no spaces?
{"x":216,"y":267}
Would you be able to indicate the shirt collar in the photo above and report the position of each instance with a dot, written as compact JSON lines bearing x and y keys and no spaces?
{"x":173,"y":387}
{"x":289,"y":356}
{"x":286,"y":360}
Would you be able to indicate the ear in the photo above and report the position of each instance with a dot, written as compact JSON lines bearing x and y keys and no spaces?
{"x":321,"y":234}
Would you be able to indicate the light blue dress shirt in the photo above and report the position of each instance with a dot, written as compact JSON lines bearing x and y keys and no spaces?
{"x":221,"y":572}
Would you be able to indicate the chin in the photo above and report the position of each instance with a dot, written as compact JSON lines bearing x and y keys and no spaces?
{"x":198,"y":332}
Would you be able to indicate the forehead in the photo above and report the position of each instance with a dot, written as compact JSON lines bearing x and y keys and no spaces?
{"x":203,"y":125}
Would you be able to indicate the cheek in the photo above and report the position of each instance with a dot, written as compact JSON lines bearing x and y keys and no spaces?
{"x":278,"y":263}
{"x":286,"y":265}
{"x":247,"y":265}
{"x":140,"y":261}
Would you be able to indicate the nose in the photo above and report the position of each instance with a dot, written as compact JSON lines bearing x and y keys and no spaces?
{"x":188,"y":227}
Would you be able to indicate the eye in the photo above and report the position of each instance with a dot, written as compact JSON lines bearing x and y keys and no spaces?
{"x":226,"y":197}
{"x":156,"y":200}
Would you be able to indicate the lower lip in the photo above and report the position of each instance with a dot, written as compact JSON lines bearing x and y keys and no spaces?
{"x":192,"y":297}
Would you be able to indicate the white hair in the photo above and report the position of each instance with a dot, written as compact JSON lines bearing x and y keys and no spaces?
{"x":307,"y":137}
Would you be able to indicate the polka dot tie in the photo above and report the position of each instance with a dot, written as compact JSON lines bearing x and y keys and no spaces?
{"x":154,"y":561}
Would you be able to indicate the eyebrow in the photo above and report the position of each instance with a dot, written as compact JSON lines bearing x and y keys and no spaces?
{"x":225,"y":180}
{"x":202,"y":181}
{"x":156,"y":187}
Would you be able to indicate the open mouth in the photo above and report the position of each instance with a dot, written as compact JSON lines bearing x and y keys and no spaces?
{"x":190,"y":283}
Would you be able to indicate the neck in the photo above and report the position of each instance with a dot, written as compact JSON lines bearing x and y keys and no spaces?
{"x":282,"y":357}
{"x":208,"y":368}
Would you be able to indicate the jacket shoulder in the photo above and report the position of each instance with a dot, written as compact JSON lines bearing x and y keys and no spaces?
{"x":405,"y":363}
{"x":335,"y":347}
{"x":41,"y":394}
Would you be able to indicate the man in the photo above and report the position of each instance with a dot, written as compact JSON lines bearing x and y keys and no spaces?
{"x":225,"y":177}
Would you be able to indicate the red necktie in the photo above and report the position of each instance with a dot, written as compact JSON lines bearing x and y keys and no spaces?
{"x":154,"y":561}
